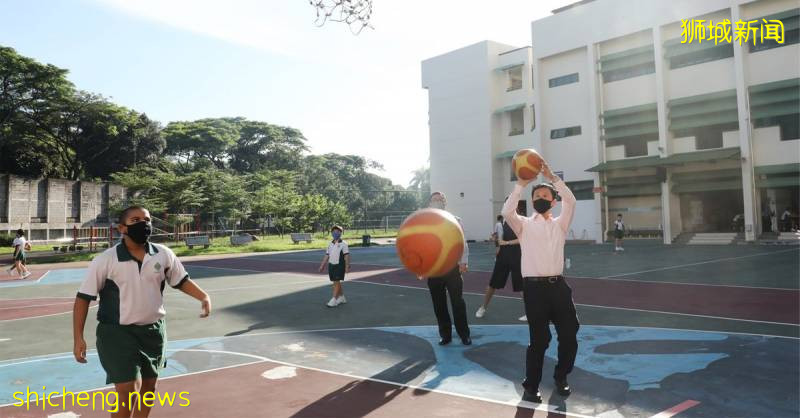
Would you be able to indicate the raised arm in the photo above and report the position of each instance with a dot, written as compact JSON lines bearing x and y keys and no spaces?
{"x":509,"y":211}
{"x":567,"y":198}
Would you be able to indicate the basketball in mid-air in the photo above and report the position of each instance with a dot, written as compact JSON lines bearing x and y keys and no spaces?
{"x":526,"y":164}
{"x":430,"y":242}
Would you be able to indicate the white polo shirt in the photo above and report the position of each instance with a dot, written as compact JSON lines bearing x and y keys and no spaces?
{"x":498,"y":230}
{"x":131,"y":293}
{"x":336,"y":250}
{"x":21,"y":242}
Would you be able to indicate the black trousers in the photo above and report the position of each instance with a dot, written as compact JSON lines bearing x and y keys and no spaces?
{"x":453,"y":284}
{"x":547,"y":302}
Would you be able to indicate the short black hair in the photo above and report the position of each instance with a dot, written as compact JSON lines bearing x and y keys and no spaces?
{"x":335,"y":227}
{"x":499,"y":217}
{"x":548,"y":186}
{"x":20,"y":232}
{"x":619,"y":214}
{"x":123,"y":216}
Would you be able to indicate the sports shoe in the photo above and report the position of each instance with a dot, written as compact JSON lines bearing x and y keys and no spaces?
{"x":621,"y":249}
{"x":562,"y":387}
{"x":481,"y":312}
{"x":524,"y":318}
{"x":341,"y":300}
{"x":333,"y":303}
{"x":26,"y":275}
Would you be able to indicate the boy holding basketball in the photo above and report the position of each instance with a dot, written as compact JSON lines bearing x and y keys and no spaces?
{"x":547,"y":296}
{"x":130,"y":278}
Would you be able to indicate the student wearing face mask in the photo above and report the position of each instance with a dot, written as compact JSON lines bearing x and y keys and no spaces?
{"x":337,"y":258}
{"x":129,"y":278}
{"x":453,"y":284}
{"x":547,"y":296}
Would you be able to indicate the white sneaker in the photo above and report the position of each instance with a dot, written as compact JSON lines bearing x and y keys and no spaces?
{"x":341,"y":300}
{"x":333,"y":303}
{"x":26,"y":275}
{"x":621,"y":249}
{"x":481,"y":312}
{"x":616,"y":248}
{"x":524,"y":318}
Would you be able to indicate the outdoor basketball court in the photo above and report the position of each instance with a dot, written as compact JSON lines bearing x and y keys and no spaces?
{"x":683,"y":330}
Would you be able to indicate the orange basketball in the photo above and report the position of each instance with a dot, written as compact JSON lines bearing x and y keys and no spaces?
{"x":430,"y":242}
{"x":526,"y":164}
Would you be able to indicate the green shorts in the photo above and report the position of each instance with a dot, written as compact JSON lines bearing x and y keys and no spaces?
{"x":20,"y":256}
{"x":128,"y":351}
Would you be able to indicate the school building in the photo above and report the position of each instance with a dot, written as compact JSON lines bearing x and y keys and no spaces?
{"x":51,"y":209}
{"x":679,"y":137}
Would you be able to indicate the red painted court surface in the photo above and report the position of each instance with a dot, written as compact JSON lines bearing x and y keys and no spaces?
{"x":657,"y":348}
{"x":31,"y":308}
{"x":771,"y":305}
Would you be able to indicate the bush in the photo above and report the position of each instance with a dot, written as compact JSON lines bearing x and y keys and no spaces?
{"x":6,"y":239}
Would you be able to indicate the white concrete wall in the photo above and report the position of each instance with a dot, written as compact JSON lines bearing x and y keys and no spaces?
{"x":629,"y":92}
{"x":768,"y":149}
{"x":637,"y":211}
{"x":684,"y":144}
{"x":460,"y":110}
{"x":607,"y":19}
{"x":616,"y":152}
{"x":730,"y":139}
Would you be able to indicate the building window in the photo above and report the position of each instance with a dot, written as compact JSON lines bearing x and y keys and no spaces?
{"x":514,"y":78}
{"x":511,"y":168}
{"x":533,"y":117}
{"x":790,"y":37}
{"x":533,"y":78}
{"x":635,"y":149}
{"x":565,"y":132}
{"x":517,"y":122}
{"x":719,"y":52}
{"x":789,"y":125}
{"x":564,"y":79}
{"x":629,"y":72}
{"x":708,"y":138}
{"x":583,"y":190}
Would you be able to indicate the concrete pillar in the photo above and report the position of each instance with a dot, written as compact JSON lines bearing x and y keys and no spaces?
{"x":663,"y":133}
{"x":745,"y":137}
{"x":595,"y":110}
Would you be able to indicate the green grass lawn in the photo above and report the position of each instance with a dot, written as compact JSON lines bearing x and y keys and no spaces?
{"x":219,"y":245}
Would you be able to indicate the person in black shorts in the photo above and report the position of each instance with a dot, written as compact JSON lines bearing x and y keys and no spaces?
{"x":507,"y":261}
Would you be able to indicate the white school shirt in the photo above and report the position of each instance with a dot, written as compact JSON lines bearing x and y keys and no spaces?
{"x":541,"y":240}
{"x":498,"y":229}
{"x":131,"y":294}
{"x":618,"y":225}
{"x":21,"y":241}
{"x":335,"y":250}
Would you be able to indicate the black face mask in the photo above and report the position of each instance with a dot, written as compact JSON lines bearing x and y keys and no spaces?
{"x":541,"y":205}
{"x":139,"y":232}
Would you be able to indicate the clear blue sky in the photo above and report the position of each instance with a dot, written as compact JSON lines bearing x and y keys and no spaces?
{"x":265,"y":60}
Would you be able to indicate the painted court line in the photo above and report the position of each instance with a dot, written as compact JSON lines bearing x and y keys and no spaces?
{"x":598,"y":306}
{"x":718,"y":260}
{"x":36,"y":306}
{"x":42,"y":316}
{"x":677,"y":409}
{"x":67,"y":354}
{"x":612,"y":277}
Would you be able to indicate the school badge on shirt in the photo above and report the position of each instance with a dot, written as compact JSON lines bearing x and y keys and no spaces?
{"x":157,"y":267}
